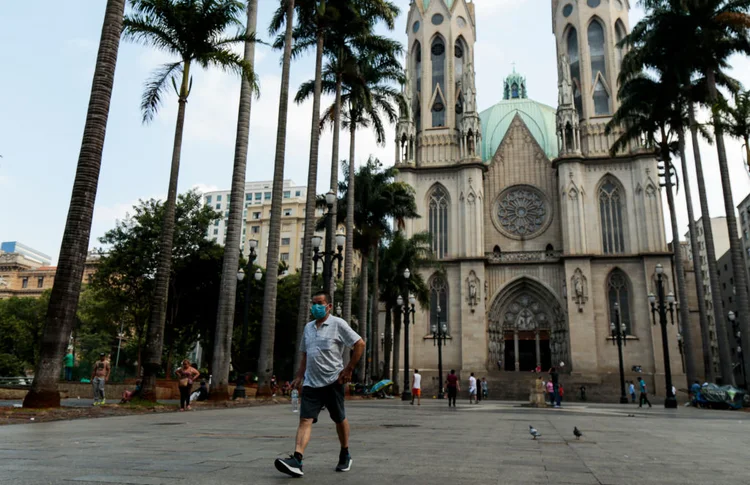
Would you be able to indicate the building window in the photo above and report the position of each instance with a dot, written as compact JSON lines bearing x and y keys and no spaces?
{"x":287,"y":194}
{"x":258,"y":196}
{"x":437,"y":52}
{"x":438,"y":295}
{"x":575,"y":69}
{"x":218,"y":198}
{"x":287,"y":212}
{"x":285,"y":256}
{"x":598,"y":68}
{"x":216,"y":232}
{"x":285,"y":241}
{"x":208,"y":199}
{"x":618,"y":292}
{"x":610,"y":211}
{"x":40,"y":282}
{"x":248,"y":197}
{"x":620,"y":34}
{"x":255,"y":229}
{"x":216,"y":223}
{"x":459,"y":52}
{"x":267,"y":196}
{"x":256,"y":215}
{"x":25,"y":283}
{"x":298,"y":193}
{"x":218,"y":207}
{"x":438,"y":221}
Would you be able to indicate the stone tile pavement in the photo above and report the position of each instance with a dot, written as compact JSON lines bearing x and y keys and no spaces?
{"x":392,"y":443}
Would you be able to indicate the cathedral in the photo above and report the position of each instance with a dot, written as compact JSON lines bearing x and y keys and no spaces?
{"x":539,"y":232}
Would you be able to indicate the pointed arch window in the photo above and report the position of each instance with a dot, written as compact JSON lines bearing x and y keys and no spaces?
{"x":575,"y":68}
{"x":619,"y":35}
{"x":618,"y":291}
{"x":459,"y":52}
{"x":439,"y":296}
{"x":597,"y":50}
{"x":437,"y":55}
{"x":601,"y":98}
{"x":417,"y":55}
{"x":438,"y":221}
{"x":611,"y":209}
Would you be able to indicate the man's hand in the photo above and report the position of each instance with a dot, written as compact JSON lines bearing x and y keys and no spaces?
{"x":297,"y":383}
{"x":345,"y":376}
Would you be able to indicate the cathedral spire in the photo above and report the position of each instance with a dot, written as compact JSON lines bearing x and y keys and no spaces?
{"x":515,"y":86}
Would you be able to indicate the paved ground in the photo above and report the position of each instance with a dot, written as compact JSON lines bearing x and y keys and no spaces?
{"x":75,"y":403}
{"x":392,"y":443}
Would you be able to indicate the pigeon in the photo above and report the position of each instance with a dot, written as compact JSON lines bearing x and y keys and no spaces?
{"x":577,"y":433}
{"x":533,"y":432}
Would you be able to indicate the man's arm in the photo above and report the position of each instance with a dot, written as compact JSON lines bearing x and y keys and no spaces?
{"x":297,"y":382}
{"x":106,"y":376}
{"x":346,"y":374}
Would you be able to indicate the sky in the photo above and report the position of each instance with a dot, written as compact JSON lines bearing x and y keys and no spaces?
{"x":46,"y":83}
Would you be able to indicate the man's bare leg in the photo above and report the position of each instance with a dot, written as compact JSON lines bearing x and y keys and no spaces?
{"x":342,"y":429}
{"x":303,"y":435}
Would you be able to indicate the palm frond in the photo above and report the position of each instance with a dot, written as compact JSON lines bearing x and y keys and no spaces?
{"x":160,"y":80}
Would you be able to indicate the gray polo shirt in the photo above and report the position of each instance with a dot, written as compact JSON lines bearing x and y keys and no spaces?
{"x":324,"y":347}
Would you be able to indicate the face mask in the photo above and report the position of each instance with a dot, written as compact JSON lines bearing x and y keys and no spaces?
{"x":318,"y":311}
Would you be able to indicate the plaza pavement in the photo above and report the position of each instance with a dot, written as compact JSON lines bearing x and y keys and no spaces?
{"x":392,"y":443}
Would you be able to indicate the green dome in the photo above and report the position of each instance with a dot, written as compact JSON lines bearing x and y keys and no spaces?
{"x":539,"y":118}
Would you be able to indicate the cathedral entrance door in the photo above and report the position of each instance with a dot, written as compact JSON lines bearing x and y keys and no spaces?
{"x":531,"y":352}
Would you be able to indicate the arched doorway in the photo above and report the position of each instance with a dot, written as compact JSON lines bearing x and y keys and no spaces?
{"x":527,"y":327}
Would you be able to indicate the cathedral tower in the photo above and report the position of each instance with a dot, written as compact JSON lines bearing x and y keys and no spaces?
{"x":587,"y":33}
{"x":440,"y":124}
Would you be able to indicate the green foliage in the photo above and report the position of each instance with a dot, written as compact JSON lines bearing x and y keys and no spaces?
{"x":21,"y":326}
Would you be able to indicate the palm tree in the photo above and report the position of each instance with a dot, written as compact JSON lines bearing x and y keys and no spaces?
{"x":401,"y":253}
{"x":648,"y":111}
{"x":63,"y":301}
{"x":228,"y":289}
{"x":194,"y":31}
{"x":738,"y":121}
{"x":268,"y":322}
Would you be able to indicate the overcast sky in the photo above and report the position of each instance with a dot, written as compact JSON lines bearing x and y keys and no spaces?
{"x":47,"y":54}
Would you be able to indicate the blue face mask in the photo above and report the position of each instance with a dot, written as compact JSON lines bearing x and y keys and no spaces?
{"x":318,"y":311}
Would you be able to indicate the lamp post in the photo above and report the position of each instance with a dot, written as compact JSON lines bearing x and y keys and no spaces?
{"x":328,"y":257}
{"x":617,"y":328}
{"x":404,"y":304}
{"x":738,"y":339}
{"x":329,"y":253}
{"x":661,"y":304}
{"x":439,"y":336}
{"x":239,"y":390}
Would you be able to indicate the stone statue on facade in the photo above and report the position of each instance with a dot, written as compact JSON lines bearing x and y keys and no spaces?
{"x":467,"y":85}
{"x":4,"y":283}
{"x":472,"y":297}
{"x":580,"y":289}
{"x":565,"y":95}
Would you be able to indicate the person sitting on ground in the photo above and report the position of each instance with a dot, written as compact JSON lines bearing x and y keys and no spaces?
{"x":128,"y":396}
{"x":200,"y":394}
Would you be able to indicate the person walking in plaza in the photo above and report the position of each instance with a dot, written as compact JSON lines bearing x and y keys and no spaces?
{"x":416,"y":388}
{"x":644,"y":393}
{"x":68,"y":363}
{"x":631,"y":390}
{"x":485,"y":388}
{"x":186,"y":375}
{"x":550,"y":392}
{"x":473,"y":389}
{"x":451,"y":383}
{"x":322,"y":376}
{"x":555,"y":379}
{"x":99,"y":376}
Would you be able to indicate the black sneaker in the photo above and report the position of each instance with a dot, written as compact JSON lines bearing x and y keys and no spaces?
{"x":345,"y":463}
{"x":291,"y":466}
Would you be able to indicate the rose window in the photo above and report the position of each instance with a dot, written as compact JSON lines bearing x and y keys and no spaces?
{"x":522,"y":212}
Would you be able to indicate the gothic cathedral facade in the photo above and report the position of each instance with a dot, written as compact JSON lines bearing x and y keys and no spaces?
{"x":540,"y":233}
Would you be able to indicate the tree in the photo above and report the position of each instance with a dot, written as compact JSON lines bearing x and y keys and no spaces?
{"x":648,"y":112}
{"x":228,"y":288}
{"x":399,"y":254}
{"x":738,"y":121}
{"x":195,"y":32}
{"x":21,"y":327}
{"x":268,"y":324}
{"x":67,"y":286}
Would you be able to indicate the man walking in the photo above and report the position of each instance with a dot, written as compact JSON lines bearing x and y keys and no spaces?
{"x":644,"y":393}
{"x":99,"y":376}
{"x":323,"y":373}
{"x":555,"y":378}
{"x":416,"y":388}
{"x":68,"y":363}
{"x":485,"y":388}
{"x":453,"y":387}
{"x":473,"y":389}
{"x":631,"y":390}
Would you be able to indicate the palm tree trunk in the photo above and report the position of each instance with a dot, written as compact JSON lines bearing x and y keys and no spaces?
{"x":303,"y":310}
{"x":268,"y":322}
{"x":387,"y":340}
{"x":155,"y":338}
{"x":63,"y":301}
{"x":684,"y":310}
{"x":708,"y":368}
{"x":228,"y":288}
{"x":396,"y":349}
{"x":725,"y":364}
{"x":330,"y":286}
{"x":363,"y":309}
{"x":746,"y":139}
{"x":374,"y":357}
{"x":349,"y":251}
{"x":735,"y":245}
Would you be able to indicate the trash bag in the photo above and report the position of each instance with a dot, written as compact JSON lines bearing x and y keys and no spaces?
{"x":720,"y":397}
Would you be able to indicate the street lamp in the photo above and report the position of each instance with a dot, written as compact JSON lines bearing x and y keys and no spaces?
{"x":661,"y":304}
{"x":439,"y":335}
{"x":405,"y":307}
{"x":328,"y":257}
{"x":617,"y":329}
{"x":239,"y":391}
{"x":738,"y":339}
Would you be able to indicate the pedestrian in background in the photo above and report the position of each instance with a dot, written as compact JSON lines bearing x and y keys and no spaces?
{"x":451,"y":383}
{"x":550,"y":392}
{"x":631,"y":390}
{"x":186,"y":375}
{"x":99,"y":377}
{"x":644,"y":393}
{"x":555,"y":378}
{"x":485,"y":388}
{"x":68,"y":362}
{"x":416,"y":388}
{"x":473,"y":389}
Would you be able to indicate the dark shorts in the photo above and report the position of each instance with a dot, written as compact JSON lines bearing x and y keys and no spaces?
{"x":314,"y":398}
